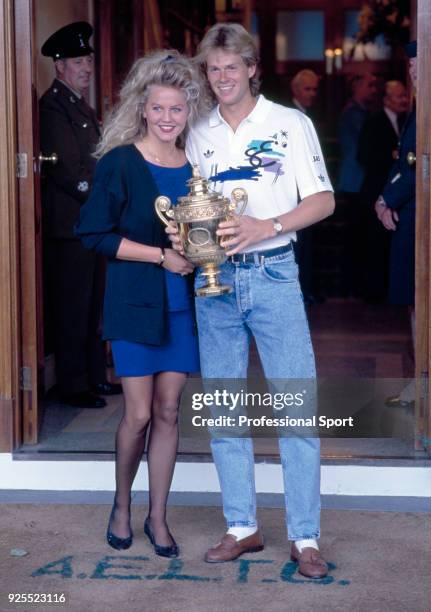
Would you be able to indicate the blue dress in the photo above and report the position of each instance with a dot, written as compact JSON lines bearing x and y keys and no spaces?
{"x":180,"y":353}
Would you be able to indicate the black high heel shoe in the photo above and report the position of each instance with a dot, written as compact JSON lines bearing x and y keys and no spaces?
{"x":115,"y":541}
{"x":163,"y":551}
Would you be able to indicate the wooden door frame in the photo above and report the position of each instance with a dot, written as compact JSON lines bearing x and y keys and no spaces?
{"x":10,"y":405}
{"x":423,"y":230}
{"x":29,"y":219}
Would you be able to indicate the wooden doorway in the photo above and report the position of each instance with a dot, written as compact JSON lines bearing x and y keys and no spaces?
{"x":29,"y":335}
{"x":29,"y":220}
{"x":423,"y":228}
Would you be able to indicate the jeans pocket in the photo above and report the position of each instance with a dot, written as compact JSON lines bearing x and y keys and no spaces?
{"x":280,"y":270}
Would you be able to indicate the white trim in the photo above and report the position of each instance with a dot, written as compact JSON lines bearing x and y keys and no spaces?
{"x":202,"y":477}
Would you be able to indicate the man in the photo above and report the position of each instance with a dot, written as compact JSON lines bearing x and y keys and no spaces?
{"x":396,"y":209}
{"x":377,"y":149}
{"x":74,"y":276}
{"x":351,"y":176}
{"x":272,"y":152}
{"x":304,"y":86}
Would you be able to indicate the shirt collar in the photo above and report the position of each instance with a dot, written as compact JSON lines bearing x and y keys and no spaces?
{"x":393,"y":118}
{"x":390,"y":113}
{"x":299,"y":106}
{"x":257,"y":115}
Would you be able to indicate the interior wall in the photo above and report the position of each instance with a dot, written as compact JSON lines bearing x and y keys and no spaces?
{"x":50,"y":16}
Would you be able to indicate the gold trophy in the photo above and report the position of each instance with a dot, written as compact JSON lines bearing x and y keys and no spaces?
{"x":198,"y":215}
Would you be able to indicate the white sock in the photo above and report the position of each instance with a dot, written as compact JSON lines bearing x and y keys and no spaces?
{"x":242,"y":532}
{"x":301,"y":544}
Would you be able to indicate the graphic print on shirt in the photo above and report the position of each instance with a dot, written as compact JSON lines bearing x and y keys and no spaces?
{"x":262,"y":156}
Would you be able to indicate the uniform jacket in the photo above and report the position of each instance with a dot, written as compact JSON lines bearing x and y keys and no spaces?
{"x":69,"y":128}
{"x":400,"y":190}
{"x":400,"y":194}
{"x":121,"y":205}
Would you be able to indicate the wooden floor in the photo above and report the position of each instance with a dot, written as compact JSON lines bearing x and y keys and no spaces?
{"x":355,"y":339}
{"x":352,"y":340}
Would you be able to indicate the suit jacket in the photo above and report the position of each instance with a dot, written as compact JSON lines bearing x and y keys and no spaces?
{"x":69,"y":128}
{"x":377,"y":143}
{"x":121,"y":205}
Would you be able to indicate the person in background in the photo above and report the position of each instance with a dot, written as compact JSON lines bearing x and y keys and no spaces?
{"x":377,"y":150}
{"x":73,"y":276}
{"x":305,"y":87}
{"x":351,"y":177}
{"x":396,"y":210}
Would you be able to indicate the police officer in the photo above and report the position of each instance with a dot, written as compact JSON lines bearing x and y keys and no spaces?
{"x":396,"y":208}
{"x":74,"y":276}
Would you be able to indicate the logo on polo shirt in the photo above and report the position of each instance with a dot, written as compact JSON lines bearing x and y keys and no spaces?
{"x":282,"y":139}
{"x":262,"y":156}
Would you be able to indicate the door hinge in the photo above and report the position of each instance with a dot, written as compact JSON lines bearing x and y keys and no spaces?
{"x":21,"y":165}
{"x":26,"y":379}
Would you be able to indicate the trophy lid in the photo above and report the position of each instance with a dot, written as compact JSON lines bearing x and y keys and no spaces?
{"x":198,"y":184}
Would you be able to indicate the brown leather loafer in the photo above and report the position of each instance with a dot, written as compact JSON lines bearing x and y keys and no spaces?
{"x":230,"y":548}
{"x":310,"y":562}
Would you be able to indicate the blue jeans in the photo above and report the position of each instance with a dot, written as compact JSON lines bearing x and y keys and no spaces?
{"x":267,"y":304}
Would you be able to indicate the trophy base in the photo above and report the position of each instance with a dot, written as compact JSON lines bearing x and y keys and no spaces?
{"x":213,"y":290}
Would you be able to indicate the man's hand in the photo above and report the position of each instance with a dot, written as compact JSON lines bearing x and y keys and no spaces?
{"x":174,"y":237}
{"x":241,"y":232}
{"x":390,"y":219}
{"x":387,"y":216}
{"x":380,"y":207}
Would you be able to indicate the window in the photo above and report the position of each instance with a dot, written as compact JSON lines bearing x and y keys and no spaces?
{"x":300,"y":35}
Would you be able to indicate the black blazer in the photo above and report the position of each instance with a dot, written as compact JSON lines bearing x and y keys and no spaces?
{"x":377,"y":143}
{"x":68,"y":127}
{"x":121,"y":204}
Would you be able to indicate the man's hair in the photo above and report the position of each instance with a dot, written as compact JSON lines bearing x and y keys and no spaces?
{"x":300,"y":76}
{"x":358,"y":79}
{"x":389,"y":85}
{"x":233,"y":38}
{"x":126,"y":124}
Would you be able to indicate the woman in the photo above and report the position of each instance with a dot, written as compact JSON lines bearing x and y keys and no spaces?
{"x":148,"y":312}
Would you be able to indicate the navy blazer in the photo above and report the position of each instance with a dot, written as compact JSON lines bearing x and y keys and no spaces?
{"x":400,"y":195}
{"x":400,"y":190}
{"x":121,"y":205}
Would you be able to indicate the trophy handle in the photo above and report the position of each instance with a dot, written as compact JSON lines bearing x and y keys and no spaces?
{"x":164,"y":211}
{"x":238,"y":195}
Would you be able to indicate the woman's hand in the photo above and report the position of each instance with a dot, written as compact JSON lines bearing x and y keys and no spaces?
{"x":174,"y":237}
{"x":174,"y":262}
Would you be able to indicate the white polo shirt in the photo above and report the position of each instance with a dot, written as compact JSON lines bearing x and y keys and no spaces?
{"x":274,"y":154}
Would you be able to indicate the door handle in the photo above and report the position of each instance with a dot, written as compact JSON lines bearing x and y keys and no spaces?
{"x":53,"y":158}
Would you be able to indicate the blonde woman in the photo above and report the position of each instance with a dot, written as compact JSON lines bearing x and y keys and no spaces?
{"x":148,"y":313}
